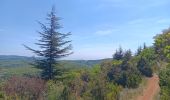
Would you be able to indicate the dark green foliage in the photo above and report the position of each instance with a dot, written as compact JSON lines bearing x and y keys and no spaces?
{"x":53,"y":46}
{"x":123,"y":72}
{"x":126,"y":58}
{"x":144,"y":67}
{"x":130,"y":78}
{"x":146,"y":61}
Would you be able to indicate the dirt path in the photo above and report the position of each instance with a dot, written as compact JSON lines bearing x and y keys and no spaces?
{"x":151,"y":90}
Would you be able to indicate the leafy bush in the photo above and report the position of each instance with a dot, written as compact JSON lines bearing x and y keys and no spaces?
{"x":55,"y":90}
{"x":133,"y":79}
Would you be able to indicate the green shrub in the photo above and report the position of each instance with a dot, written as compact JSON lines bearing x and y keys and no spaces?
{"x":133,"y":80}
{"x":165,"y":83}
{"x":126,"y":76}
{"x":54,"y":90}
{"x":144,"y":67}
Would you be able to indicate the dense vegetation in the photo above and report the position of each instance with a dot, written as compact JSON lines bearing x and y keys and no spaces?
{"x":103,"y":81}
{"x":162,"y":48}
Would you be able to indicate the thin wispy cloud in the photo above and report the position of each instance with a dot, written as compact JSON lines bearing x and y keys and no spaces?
{"x":139,"y":4}
{"x":151,"y":20}
{"x":163,"y":21}
{"x":105,"y":32}
{"x":140,"y":21}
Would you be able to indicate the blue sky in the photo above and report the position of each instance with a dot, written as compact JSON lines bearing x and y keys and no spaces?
{"x":98,"y":27}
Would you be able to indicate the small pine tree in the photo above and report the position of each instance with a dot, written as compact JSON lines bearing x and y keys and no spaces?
{"x":126,"y":58}
{"x":144,"y":46}
{"x":139,"y":50}
{"x":119,"y":54}
{"x":53,"y":47}
{"x":127,"y":55}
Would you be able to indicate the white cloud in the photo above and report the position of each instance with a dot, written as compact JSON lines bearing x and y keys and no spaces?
{"x":105,"y":32}
{"x":163,"y":21}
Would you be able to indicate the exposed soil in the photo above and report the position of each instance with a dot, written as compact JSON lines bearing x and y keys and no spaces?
{"x":151,"y":89}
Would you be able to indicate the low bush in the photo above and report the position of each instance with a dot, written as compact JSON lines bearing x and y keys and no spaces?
{"x":24,"y":88}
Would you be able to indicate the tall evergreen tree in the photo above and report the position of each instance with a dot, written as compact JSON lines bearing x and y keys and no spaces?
{"x":53,"y":46}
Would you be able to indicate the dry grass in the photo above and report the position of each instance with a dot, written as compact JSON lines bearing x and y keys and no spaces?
{"x":131,"y":94}
{"x":157,"y":96}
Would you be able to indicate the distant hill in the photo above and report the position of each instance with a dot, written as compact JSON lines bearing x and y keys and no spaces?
{"x":14,"y":61}
{"x":22,"y":61}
